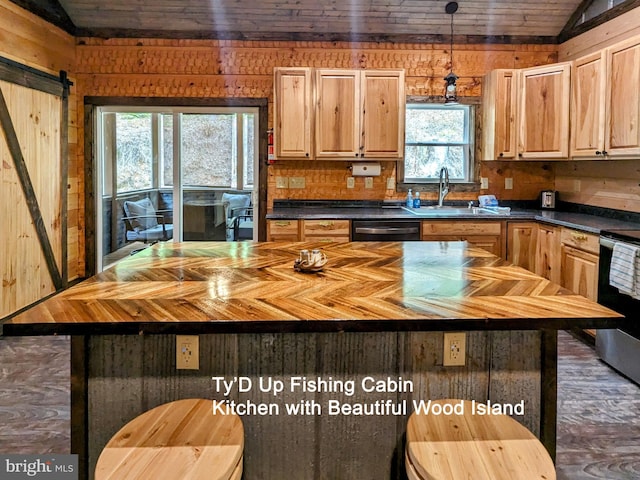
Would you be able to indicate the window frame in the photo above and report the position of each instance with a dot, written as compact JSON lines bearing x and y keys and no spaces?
{"x":471,"y":183}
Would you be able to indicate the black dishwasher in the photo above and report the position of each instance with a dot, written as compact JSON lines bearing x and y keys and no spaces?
{"x":385,"y":230}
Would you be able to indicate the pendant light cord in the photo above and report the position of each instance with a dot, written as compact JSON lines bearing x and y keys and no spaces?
{"x":451,"y":49}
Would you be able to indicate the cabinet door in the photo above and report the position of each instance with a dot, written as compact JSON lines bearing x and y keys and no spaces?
{"x":293,"y":113}
{"x":580,"y":272}
{"x":382,"y":114}
{"x":337,"y":114}
{"x":623,"y":99}
{"x":499,"y":113}
{"x":588,"y":99}
{"x":548,"y":253}
{"x":521,"y":244}
{"x":544,"y":111}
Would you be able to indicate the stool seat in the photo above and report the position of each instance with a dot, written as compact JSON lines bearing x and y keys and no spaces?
{"x":468,"y":445}
{"x":181,"y":440}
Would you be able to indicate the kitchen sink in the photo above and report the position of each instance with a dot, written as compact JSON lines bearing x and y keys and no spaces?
{"x":444,"y":211}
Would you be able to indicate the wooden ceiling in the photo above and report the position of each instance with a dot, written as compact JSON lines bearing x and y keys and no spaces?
{"x":490,"y":21}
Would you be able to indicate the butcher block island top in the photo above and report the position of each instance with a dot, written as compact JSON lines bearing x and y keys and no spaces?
{"x":224,"y":287}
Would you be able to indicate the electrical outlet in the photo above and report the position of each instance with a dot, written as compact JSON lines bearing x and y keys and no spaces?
{"x":296,"y":182}
{"x":455,"y":349}
{"x":508,"y":183}
{"x":391,"y":183}
{"x":576,"y":186}
{"x":484,"y":183}
{"x":351,"y":182}
{"x":187,"y":352}
{"x":282,"y":182}
{"x":368,"y":182}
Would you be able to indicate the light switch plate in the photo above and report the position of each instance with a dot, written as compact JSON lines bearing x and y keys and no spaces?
{"x":391,"y":183}
{"x":351,"y":182}
{"x":282,"y":182}
{"x":296,"y":182}
{"x":484,"y":183}
{"x":508,"y":183}
{"x":368,"y":182}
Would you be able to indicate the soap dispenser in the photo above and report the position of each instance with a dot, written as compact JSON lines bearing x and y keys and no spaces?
{"x":409,"y":199}
{"x":416,"y":200}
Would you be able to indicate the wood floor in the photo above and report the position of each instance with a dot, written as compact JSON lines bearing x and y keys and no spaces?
{"x":598,"y":410}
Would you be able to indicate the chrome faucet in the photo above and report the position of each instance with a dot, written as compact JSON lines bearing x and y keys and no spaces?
{"x":443,"y":185}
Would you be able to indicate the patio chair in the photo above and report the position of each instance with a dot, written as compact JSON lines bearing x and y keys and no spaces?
{"x":144,"y":223}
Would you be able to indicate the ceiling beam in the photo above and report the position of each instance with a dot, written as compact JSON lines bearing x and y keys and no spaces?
{"x":315,"y":36}
{"x":571,"y":30}
{"x":49,"y":10}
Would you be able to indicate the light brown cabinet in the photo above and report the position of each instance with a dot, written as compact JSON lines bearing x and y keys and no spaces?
{"x":521,"y":244}
{"x":623,"y":99}
{"x":548,"y":253}
{"x":499,"y":115}
{"x":359,"y":114}
{"x":485,"y":235}
{"x":588,"y":99}
{"x":543,"y":117}
{"x":580,"y":253}
{"x":293,"y":117}
{"x":326,"y":230}
{"x":283,"y":231}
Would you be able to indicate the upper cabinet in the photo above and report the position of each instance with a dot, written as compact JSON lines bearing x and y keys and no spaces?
{"x":499,"y":114}
{"x":526,"y":113}
{"x":623,"y":99}
{"x":359,"y":114}
{"x":544,"y":112}
{"x":588,"y":99}
{"x":338,"y":114}
{"x":293,"y":98}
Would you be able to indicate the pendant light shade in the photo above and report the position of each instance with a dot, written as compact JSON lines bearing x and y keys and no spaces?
{"x":450,"y":88}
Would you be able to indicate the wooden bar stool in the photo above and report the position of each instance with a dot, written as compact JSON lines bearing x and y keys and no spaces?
{"x":482,"y":447}
{"x":181,"y":440}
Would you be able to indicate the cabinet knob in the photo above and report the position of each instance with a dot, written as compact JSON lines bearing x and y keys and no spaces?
{"x":604,"y":152}
{"x":520,"y":155}
{"x":501,"y":154}
{"x":598,"y":152}
{"x":357,"y":154}
{"x":306,"y":154}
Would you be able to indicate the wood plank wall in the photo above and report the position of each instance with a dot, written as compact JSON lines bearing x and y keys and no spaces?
{"x":610,"y":183}
{"x":29,"y":40}
{"x":208,"y":68}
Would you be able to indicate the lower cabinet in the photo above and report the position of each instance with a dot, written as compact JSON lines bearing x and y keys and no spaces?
{"x":580,"y":272}
{"x":485,"y":235}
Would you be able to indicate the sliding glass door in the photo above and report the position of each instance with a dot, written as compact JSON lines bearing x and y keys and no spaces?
{"x":174,"y":174}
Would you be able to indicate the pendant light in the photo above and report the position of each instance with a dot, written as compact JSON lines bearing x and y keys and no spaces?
{"x":450,"y":92}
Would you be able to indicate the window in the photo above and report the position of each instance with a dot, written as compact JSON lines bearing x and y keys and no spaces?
{"x":437,"y":136}
{"x":217,"y":148}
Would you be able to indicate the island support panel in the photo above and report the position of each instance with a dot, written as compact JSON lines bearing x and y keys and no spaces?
{"x":129,"y":374}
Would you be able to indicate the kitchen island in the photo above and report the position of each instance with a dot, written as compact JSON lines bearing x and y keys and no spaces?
{"x":313,"y":349}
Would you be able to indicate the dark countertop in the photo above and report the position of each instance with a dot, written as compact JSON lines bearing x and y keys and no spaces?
{"x":579,"y":221}
{"x":228,"y":287}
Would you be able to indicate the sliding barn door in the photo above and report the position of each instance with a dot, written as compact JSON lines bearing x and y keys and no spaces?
{"x":32,"y":205}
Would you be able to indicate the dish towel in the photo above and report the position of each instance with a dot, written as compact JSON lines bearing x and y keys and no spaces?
{"x":625,"y":269}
